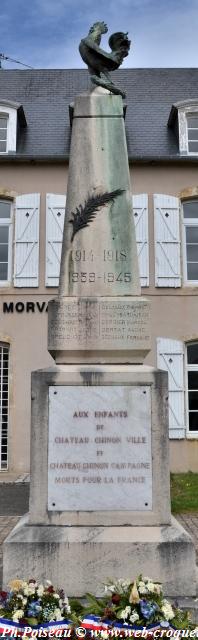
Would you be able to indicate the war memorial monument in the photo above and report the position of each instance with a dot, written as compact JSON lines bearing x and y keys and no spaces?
{"x":100,"y":490}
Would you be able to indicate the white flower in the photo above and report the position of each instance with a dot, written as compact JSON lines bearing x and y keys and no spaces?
{"x":167,"y":610}
{"x":57,"y":614}
{"x":29,"y":590}
{"x":51,"y":617}
{"x":23,"y":600}
{"x":146,"y":579}
{"x":120,"y":586}
{"x":19,"y":613}
{"x":40,"y":590}
{"x":125,"y":613}
{"x":57,"y":611}
{"x":134,"y":617}
{"x":124,"y":584}
{"x":142,"y":587}
{"x":151,"y":587}
{"x":142,"y":590}
{"x":65,"y":604}
{"x":56,"y":595}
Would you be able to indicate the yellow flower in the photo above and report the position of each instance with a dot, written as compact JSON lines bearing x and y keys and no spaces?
{"x":15,"y":585}
{"x":134,"y":595}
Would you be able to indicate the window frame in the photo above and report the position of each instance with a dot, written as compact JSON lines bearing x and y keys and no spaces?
{"x":187,"y":222}
{"x":5,"y":116}
{"x":188,"y":115}
{"x":190,"y":435}
{"x":8,"y":222}
{"x":4,"y":345}
{"x":11,"y":114}
{"x":185,"y":109}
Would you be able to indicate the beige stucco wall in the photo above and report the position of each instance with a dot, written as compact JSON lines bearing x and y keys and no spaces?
{"x":174,"y":311}
{"x":27,"y":332}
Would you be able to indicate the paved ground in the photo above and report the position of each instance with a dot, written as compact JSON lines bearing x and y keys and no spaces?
{"x":6,"y":525}
{"x":190,"y":522}
{"x":14,"y":499}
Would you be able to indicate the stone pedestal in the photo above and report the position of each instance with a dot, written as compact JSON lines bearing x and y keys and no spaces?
{"x":91,"y":425}
{"x":100,"y":506}
{"x":81,"y":558}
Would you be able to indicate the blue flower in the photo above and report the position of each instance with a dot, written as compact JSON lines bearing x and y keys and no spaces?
{"x":34,"y":608}
{"x":147,"y":609}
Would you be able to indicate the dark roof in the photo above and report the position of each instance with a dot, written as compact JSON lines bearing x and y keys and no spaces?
{"x":46,"y":94}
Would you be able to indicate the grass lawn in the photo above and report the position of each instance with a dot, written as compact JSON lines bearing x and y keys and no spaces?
{"x":184,"y":492}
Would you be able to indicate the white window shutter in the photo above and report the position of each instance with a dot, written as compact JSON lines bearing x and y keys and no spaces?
{"x":26,"y":255}
{"x":167,"y":241}
{"x":55,"y":215}
{"x":170,"y":357}
{"x":140,"y":212}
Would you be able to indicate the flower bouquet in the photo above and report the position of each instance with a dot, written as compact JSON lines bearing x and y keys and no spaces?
{"x":130,"y":605}
{"x":139,"y":605}
{"x":31,"y":605}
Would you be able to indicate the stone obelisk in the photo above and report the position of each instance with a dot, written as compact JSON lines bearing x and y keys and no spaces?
{"x":100,"y":492}
{"x":99,"y":315}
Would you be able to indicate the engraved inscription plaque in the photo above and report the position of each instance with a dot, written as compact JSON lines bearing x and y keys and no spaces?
{"x":99,"y":451}
{"x":93,"y":323}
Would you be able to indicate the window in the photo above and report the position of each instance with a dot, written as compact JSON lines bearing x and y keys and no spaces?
{"x":11,"y":117}
{"x":183,"y":119}
{"x":3,"y":133}
{"x":192,"y":386}
{"x":192,"y":126}
{"x":190,"y":219}
{"x":4,"y":405}
{"x":5,"y":241}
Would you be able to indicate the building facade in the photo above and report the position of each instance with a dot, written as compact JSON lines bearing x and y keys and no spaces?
{"x":162,"y":137}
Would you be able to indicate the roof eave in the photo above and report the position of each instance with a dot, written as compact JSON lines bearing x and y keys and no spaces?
{"x":53,"y":159}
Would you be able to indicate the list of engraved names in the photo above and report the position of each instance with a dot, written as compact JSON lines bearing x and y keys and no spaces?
{"x":99,"y":453}
{"x":93,"y":319}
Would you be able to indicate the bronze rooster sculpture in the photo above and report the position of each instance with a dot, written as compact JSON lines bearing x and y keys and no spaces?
{"x":100,"y":62}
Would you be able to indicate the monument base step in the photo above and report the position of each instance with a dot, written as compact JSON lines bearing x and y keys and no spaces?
{"x":188,"y":604}
{"x":81,"y":558}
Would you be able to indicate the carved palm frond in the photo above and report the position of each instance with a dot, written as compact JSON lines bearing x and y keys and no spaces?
{"x":85,"y":214}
